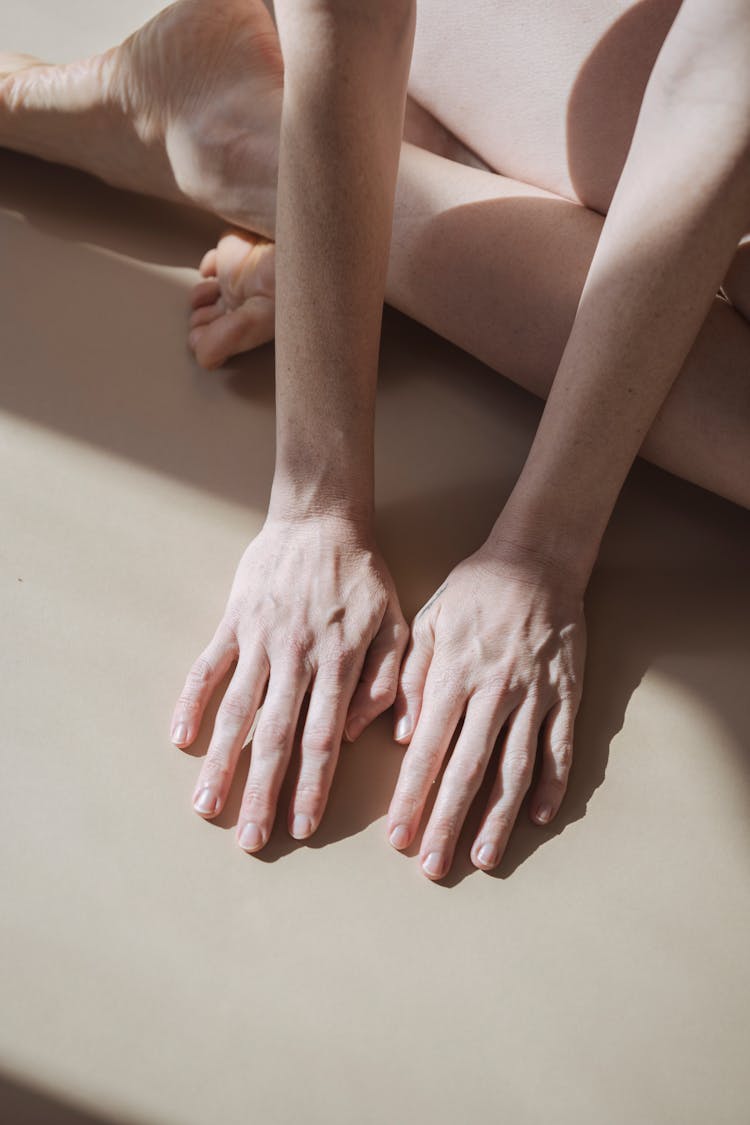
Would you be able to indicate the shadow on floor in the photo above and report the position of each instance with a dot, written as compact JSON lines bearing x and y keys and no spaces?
{"x":22,"y":1105}
{"x":77,"y":375}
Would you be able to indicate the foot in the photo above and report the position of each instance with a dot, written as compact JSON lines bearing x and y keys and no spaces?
{"x":187,"y":108}
{"x":233,"y":308}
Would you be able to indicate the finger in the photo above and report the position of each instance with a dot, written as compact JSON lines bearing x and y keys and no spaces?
{"x":272,"y":749}
{"x":512,"y":782}
{"x":209,"y":262}
{"x":485,"y":716}
{"x":442,"y":707}
{"x":208,"y":669}
{"x":411,"y":682}
{"x":378,"y":683}
{"x":557,"y":756}
{"x":233,"y":721}
{"x":321,"y":743}
{"x":240,"y":330}
{"x":205,"y":293}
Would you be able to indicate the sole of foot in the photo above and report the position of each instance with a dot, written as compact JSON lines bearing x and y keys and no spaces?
{"x":187,"y":108}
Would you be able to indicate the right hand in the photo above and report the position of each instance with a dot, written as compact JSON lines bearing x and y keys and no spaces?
{"x":312,"y":607}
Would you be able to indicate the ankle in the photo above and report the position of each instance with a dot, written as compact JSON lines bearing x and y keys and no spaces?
{"x":211,"y":158}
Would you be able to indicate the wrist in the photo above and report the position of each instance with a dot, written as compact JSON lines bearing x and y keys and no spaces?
{"x":298,"y":497}
{"x":544,"y":548}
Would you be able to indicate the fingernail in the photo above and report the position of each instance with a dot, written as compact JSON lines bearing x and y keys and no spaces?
{"x":251,"y":837}
{"x":206,"y":802}
{"x":192,"y":338}
{"x":354,"y":728}
{"x":487,"y":855}
{"x":434,"y":865}
{"x":543,"y":814}
{"x":301,"y":826}
{"x":399,"y":837}
{"x":179,"y":734}
{"x":402,"y":728}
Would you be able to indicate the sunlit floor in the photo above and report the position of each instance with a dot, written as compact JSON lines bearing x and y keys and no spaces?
{"x":150,"y":971}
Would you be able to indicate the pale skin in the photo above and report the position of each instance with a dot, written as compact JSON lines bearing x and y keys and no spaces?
{"x":502,"y":641}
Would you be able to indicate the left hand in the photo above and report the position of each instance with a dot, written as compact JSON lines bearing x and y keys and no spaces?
{"x":504,"y":641}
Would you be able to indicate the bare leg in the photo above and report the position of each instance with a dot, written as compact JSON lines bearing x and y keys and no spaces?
{"x":493,"y":264}
{"x":187,"y":109}
{"x":497,"y":267}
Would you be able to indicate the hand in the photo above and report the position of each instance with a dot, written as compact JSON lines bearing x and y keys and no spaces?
{"x":502,"y":640}
{"x":312,"y":606}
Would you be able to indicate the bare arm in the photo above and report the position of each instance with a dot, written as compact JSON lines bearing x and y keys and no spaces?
{"x":313,"y":607}
{"x":346,"y":67}
{"x":679,"y":210}
{"x":504,"y":642}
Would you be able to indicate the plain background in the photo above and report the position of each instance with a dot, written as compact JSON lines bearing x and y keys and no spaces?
{"x":150,"y":971}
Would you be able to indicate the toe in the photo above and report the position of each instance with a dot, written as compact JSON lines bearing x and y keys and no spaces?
{"x":209,"y":263}
{"x":238,"y":331}
{"x":207,"y":314}
{"x":205,"y":293}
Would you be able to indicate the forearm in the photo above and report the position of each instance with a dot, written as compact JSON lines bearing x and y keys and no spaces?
{"x":679,"y":210}
{"x":345,"y":87}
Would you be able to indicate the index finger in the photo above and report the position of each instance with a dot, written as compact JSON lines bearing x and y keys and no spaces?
{"x":443,"y":703}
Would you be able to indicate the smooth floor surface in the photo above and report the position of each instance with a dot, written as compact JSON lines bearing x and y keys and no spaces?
{"x":152,"y":973}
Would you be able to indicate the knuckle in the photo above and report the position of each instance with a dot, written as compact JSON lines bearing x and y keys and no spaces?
{"x":424,"y":763}
{"x":401,"y":633}
{"x":405,"y":805}
{"x":472,"y":774}
{"x":256,"y":797}
{"x":215,"y":765}
{"x":310,"y":793}
{"x":562,"y":752}
{"x":188,"y":704}
{"x":518,"y":771}
{"x":201,"y":674}
{"x":383,"y":694}
{"x":421,"y":629}
{"x":274,"y":735}
{"x":450,"y":671}
{"x":298,"y":643}
{"x":499,"y":827}
{"x":334,"y":675}
{"x":235,"y":707}
{"x":556,"y":784}
{"x":318,"y":742}
{"x":445,"y":827}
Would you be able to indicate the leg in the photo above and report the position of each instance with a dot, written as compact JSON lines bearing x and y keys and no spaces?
{"x":187,"y":109}
{"x":497,"y":267}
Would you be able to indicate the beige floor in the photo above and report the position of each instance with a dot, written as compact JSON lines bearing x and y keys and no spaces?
{"x":149,"y":971}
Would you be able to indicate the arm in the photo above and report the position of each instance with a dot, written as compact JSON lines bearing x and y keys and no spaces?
{"x":346,"y":66}
{"x":505,"y":640}
{"x":313,"y":607}
{"x":679,"y":211}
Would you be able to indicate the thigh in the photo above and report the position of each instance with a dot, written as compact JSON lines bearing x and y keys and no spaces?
{"x":542,"y":90}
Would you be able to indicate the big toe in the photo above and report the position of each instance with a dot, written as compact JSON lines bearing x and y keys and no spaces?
{"x":217,"y":334}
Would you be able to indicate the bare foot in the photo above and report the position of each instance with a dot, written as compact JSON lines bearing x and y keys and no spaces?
{"x":233,"y":309}
{"x":187,"y":108}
